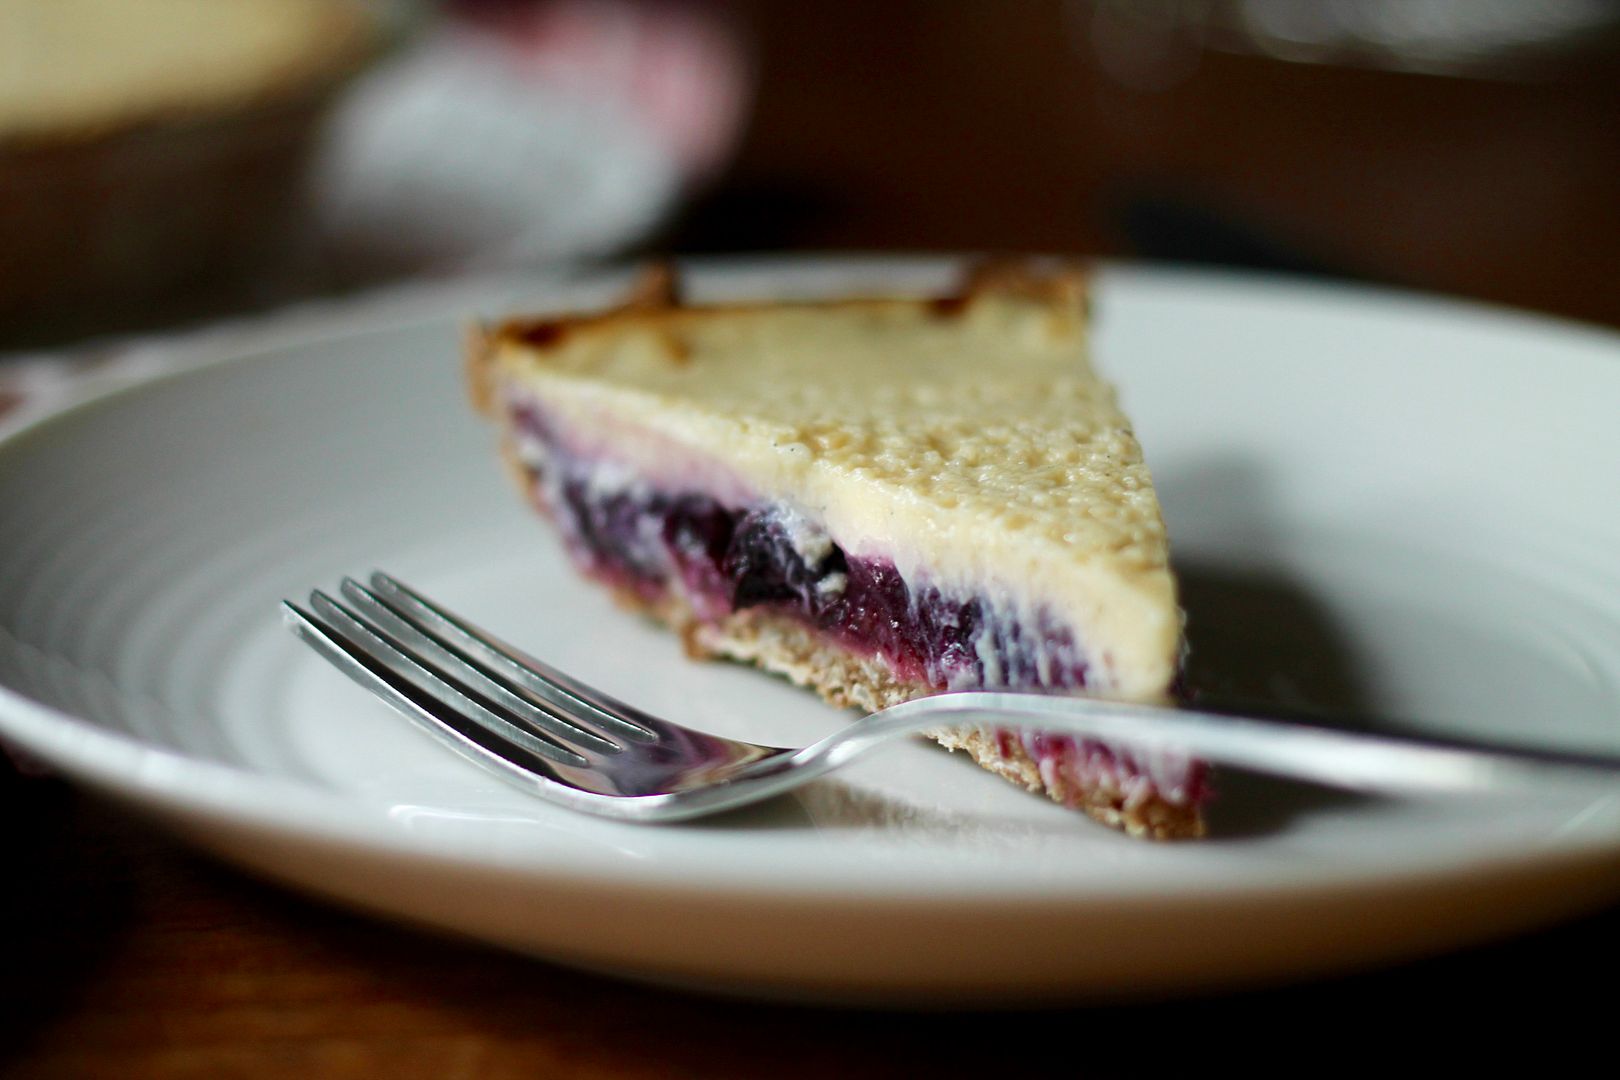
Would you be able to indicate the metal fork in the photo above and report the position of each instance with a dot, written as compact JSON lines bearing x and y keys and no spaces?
{"x":566,"y":742}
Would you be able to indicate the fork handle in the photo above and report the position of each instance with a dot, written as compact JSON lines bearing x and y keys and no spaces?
{"x":1352,"y":760}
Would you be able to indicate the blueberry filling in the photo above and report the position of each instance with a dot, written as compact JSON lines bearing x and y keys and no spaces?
{"x":725,"y":559}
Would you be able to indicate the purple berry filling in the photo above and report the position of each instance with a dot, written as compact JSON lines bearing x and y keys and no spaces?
{"x":725,"y":559}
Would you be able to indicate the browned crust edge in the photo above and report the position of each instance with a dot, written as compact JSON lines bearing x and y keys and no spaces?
{"x":478,"y":367}
{"x":655,"y":296}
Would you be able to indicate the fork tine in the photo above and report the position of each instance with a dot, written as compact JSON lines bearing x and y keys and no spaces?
{"x":416,"y":692}
{"x":466,"y":673}
{"x":495,"y":655}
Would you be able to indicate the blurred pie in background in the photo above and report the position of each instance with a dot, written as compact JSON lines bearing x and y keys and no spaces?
{"x":153,"y":146}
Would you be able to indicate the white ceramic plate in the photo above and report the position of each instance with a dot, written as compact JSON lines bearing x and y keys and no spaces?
{"x":1394,"y":503}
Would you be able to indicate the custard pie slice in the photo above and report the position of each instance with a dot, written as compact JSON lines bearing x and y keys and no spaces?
{"x":877,"y":498}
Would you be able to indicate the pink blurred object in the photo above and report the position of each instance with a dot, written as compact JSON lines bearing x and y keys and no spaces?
{"x":517,"y":133}
{"x":681,"y":71}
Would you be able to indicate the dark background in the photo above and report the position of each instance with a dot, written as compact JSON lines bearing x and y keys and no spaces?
{"x":968,"y":126}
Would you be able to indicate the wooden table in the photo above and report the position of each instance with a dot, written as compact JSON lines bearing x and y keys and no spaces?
{"x":903,"y":125}
{"x":131,"y":956}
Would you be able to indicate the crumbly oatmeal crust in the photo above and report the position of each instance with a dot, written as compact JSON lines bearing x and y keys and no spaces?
{"x":846,"y":680}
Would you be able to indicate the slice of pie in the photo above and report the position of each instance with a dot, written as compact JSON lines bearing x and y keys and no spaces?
{"x":878,"y":498}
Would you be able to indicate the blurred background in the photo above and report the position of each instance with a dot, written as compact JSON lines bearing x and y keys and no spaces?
{"x":164,"y":162}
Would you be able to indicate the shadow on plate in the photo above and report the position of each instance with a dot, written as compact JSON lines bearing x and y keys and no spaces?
{"x":1262,"y":643}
